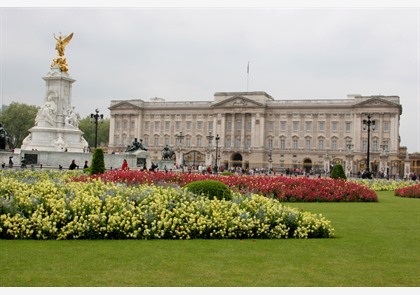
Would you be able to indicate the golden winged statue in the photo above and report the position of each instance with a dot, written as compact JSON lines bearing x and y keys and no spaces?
{"x":60,"y":47}
{"x":62,"y":43}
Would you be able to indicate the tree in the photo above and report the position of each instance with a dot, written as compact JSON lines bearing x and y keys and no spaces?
{"x":338,"y":172}
{"x":17,"y":119}
{"x":98,"y":162}
{"x":88,"y":128}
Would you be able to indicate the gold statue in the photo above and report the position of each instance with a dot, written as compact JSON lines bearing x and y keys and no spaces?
{"x":60,"y":46}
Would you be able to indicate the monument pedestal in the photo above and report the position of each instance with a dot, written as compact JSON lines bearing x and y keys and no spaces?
{"x":169,"y":164}
{"x":56,"y":124}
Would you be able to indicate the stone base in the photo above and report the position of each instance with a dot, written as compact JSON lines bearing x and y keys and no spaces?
{"x":53,"y":159}
{"x":55,"y":139}
{"x":169,"y":164}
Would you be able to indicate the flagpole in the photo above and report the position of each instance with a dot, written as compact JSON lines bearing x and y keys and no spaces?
{"x":247,"y":77}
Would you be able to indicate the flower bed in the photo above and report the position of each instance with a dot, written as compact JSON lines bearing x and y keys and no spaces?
{"x":48,"y":205}
{"x":285,"y":189}
{"x":409,"y":192}
{"x":384,"y":184}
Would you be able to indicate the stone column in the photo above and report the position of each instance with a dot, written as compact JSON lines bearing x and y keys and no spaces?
{"x":262,"y":130}
{"x":243,"y":140}
{"x":253,"y":131}
{"x":112,"y":131}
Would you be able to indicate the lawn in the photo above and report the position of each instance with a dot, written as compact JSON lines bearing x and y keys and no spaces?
{"x":375,"y":245}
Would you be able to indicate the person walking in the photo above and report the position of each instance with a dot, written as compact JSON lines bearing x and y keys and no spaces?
{"x":124,"y":165}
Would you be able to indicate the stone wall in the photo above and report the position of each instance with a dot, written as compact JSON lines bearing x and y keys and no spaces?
{"x":50,"y":159}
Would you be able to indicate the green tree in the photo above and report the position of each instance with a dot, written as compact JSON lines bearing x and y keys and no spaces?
{"x":98,"y":162}
{"x":17,"y":119}
{"x":88,"y":128}
{"x":338,"y":172}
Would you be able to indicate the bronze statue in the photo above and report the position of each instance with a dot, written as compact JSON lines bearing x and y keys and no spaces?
{"x":136,"y":146}
{"x":167,"y":153}
{"x":3,"y":138}
{"x":60,"y":46}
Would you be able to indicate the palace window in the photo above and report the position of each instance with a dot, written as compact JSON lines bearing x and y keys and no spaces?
{"x":238,"y":143}
{"x":228,"y":142}
{"x":375,"y":145}
{"x":229,"y":125}
{"x":348,"y":126}
{"x":282,"y":144}
{"x":248,"y":143}
{"x":248,"y":125}
{"x":283,"y":126}
{"x":295,"y":143}
{"x":334,"y":144}
{"x":334,"y":126}
{"x":270,"y":143}
{"x":238,"y":125}
{"x":308,"y":144}
{"x":321,"y":144}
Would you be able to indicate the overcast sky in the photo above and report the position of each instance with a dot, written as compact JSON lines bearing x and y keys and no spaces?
{"x":188,"y":54}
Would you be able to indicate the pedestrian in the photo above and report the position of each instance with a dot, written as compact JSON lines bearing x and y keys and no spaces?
{"x":73,"y":165}
{"x":11,"y":162}
{"x":86,"y":165}
{"x":124,"y":165}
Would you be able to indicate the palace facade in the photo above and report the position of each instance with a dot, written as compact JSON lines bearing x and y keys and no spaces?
{"x":253,"y":130}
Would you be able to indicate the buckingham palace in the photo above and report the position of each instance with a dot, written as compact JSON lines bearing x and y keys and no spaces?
{"x":252,"y":130}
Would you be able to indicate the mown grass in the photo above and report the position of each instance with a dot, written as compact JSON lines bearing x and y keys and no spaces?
{"x":376,"y":245}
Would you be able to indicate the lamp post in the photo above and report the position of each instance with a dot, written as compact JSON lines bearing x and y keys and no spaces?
{"x":368,"y":124}
{"x":180,"y":137}
{"x":94,"y":118}
{"x":216,"y":166}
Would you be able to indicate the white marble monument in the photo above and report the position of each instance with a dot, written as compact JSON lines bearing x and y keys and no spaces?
{"x":57,"y":122}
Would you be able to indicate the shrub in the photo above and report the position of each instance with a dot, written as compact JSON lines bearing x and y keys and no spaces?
{"x":338,"y":172}
{"x":98,"y":162}
{"x":226,"y":173}
{"x":213,"y":189}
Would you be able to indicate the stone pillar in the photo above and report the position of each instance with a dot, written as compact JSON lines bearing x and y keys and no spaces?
{"x":243,"y":140}
{"x":112,"y":131}
{"x":253,"y":131}
{"x":52,"y":132}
